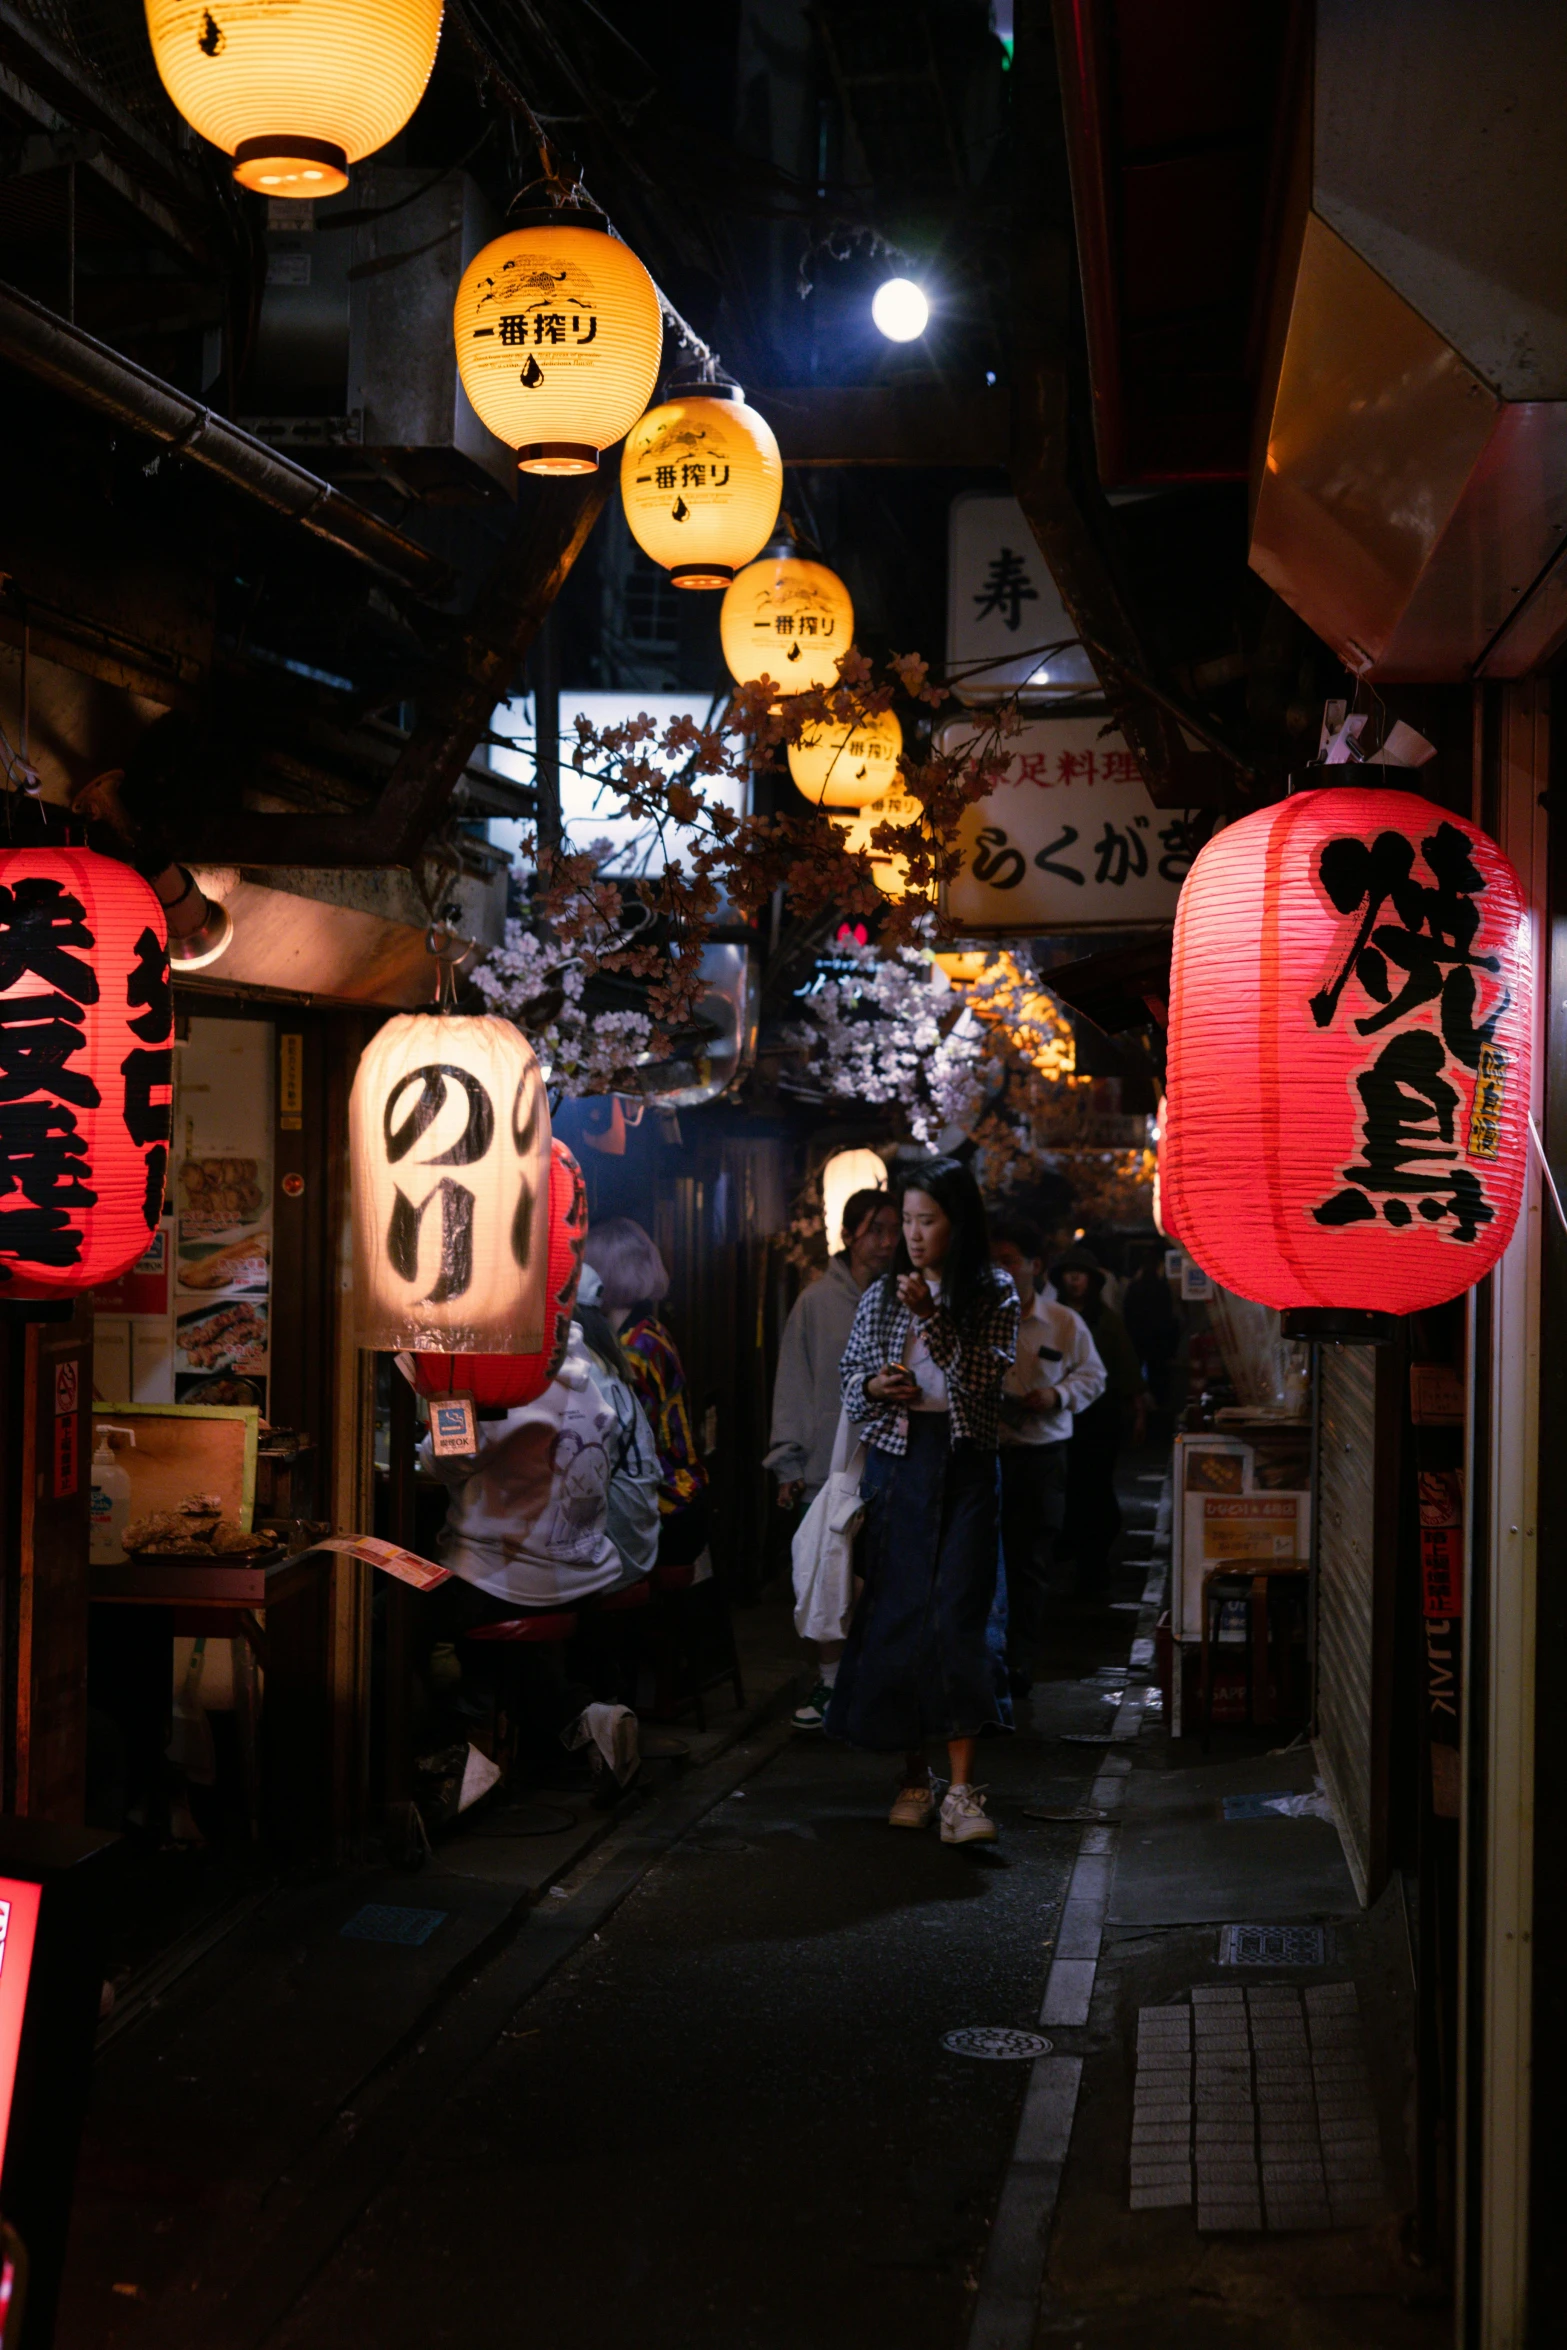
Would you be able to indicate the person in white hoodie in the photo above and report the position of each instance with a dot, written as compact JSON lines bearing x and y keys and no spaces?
{"x":807,"y":1398}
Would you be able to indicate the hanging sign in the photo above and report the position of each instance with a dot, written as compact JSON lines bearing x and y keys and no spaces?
{"x":1071,"y":841}
{"x":450,"y":1141}
{"x":1004,"y":609}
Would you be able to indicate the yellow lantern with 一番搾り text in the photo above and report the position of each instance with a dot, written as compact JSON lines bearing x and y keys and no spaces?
{"x":786,"y":618}
{"x":559,"y":334}
{"x":701,"y":480}
{"x":848,"y":766}
{"x":299,"y":91}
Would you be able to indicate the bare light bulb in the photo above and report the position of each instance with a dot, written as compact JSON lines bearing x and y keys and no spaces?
{"x":900,"y":309}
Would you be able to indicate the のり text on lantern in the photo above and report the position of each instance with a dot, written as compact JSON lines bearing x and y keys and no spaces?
{"x":1410,"y":954}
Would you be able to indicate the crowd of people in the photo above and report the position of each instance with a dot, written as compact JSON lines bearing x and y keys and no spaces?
{"x":992,"y":1391}
{"x":983,"y":1387}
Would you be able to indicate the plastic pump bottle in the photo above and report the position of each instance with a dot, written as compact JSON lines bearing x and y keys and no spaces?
{"x":111,"y":1499}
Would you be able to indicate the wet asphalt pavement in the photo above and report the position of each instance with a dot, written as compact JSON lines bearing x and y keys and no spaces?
{"x":730,"y":2120}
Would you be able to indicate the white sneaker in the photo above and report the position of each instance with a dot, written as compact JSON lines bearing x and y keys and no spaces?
{"x":964,"y":1819}
{"x":915,"y":1807}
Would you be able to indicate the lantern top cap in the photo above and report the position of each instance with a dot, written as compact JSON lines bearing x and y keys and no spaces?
{"x":559,"y":216}
{"x":686,"y":385}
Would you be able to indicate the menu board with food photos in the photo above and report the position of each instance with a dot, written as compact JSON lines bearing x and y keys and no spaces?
{"x":204,"y":1335}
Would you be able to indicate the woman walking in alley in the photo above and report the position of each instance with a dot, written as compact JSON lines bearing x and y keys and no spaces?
{"x":922,"y":1373}
{"x":807,"y":1393}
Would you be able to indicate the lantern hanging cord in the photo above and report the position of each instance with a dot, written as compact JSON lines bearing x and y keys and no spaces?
{"x":570,"y":193}
{"x":1545,"y":1170}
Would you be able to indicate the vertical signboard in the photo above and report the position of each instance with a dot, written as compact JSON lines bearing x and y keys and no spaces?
{"x":1004,"y":610}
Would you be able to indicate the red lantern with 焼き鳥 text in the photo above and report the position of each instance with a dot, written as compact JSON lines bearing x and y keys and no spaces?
{"x":86,"y":1056}
{"x":509,"y":1380}
{"x":1351,"y":1025}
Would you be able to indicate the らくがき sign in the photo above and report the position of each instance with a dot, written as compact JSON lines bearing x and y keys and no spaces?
{"x":1071,"y":840}
{"x":450,"y":1141}
{"x":1349,"y":1054}
{"x":86,"y":1056}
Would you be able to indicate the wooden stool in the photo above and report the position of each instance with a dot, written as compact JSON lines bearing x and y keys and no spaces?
{"x":1256,"y":1575}
{"x":548,"y":1628}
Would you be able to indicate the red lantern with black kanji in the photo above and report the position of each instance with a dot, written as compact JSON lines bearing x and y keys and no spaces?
{"x":1351,"y":1025}
{"x":509,"y":1380}
{"x":86,"y":1056}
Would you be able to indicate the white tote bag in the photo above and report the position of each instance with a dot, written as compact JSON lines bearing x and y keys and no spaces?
{"x":823,"y":1549}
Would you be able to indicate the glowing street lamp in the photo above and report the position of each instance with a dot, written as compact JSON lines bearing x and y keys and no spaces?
{"x":899,"y":308}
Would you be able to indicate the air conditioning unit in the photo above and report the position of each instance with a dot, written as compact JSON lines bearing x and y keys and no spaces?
{"x":354,"y":370}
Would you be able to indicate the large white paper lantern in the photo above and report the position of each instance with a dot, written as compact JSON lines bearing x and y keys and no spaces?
{"x":845,"y":1173}
{"x":449,"y":1134}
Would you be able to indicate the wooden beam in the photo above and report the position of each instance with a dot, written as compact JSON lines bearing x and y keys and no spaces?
{"x":888,"y":424}
{"x":549,"y":534}
{"x":1047,"y":479}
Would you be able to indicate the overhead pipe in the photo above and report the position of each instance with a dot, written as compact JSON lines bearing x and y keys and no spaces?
{"x":49,"y":348}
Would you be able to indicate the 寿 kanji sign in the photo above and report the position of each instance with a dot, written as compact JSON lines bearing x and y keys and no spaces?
{"x":1003,"y":608}
{"x":1071,"y":841}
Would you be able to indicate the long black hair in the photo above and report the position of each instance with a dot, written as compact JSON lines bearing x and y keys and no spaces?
{"x":966,"y":1276}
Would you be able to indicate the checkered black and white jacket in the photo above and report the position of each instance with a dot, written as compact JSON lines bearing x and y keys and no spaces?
{"x":976,"y":1355}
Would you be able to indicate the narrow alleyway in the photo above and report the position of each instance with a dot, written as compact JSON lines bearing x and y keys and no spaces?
{"x":728,"y":2117}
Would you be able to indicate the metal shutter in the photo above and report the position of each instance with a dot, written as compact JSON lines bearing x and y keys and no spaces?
{"x":1345,"y":1596}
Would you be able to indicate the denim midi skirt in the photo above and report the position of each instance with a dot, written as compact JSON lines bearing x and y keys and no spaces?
{"x":917,"y":1665}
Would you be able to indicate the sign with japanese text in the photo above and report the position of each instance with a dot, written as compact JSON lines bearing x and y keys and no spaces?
{"x":1004,"y":613}
{"x":1071,"y":840}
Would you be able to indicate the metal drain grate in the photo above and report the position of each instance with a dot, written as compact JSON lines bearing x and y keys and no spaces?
{"x":998,"y":2043}
{"x":385,"y":1921}
{"x":1273,"y":1946}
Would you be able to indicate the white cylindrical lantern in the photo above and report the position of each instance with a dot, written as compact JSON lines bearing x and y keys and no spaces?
{"x":449,"y":1133}
{"x":701,"y":479}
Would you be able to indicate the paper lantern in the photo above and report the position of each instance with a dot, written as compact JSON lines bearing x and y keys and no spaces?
{"x":295,"y":92}
{"x":512,"y":1379}
{"x":845,"y":1173}
{"x":962,"y":965}
{"x":787,"y":619}
{"x":890,"y":874}
{"x":449,"y":1135}
{"x":559,"y":335}
{"x":86,"y":1057}
{"x":1349,"y":1048}
{"x":848,"y":766}
{"x":701,"y":480}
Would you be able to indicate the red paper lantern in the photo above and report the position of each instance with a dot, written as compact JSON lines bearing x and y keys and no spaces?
{"x":86,"y":1057}
{"x":1350,"y":1033}
{"x":494,"y":1380}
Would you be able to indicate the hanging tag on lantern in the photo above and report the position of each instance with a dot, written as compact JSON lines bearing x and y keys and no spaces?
{"x":454,"y":1427}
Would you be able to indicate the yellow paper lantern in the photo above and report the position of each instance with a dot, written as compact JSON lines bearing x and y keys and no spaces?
{"x":848,"y":766}
{"x":295,"y":90}
{"x":890,"y":874}
{"x":559,"y":335}
{"x":962,"y":966}
{"x":701,"y":480}
{"x":449,"y":1137}
{"x":788,"y":619}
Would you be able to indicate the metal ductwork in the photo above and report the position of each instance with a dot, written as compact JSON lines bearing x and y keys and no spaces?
{"x":1410,"y":484}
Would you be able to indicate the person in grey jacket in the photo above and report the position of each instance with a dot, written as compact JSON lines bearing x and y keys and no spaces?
{"x":806,"y":1395}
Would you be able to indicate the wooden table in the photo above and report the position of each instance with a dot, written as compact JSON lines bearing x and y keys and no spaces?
{"x":279,"y":1610}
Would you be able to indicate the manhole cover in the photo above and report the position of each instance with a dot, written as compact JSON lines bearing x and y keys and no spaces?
{"x":1273,"y":1946}
{"x":996,"y":2042}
